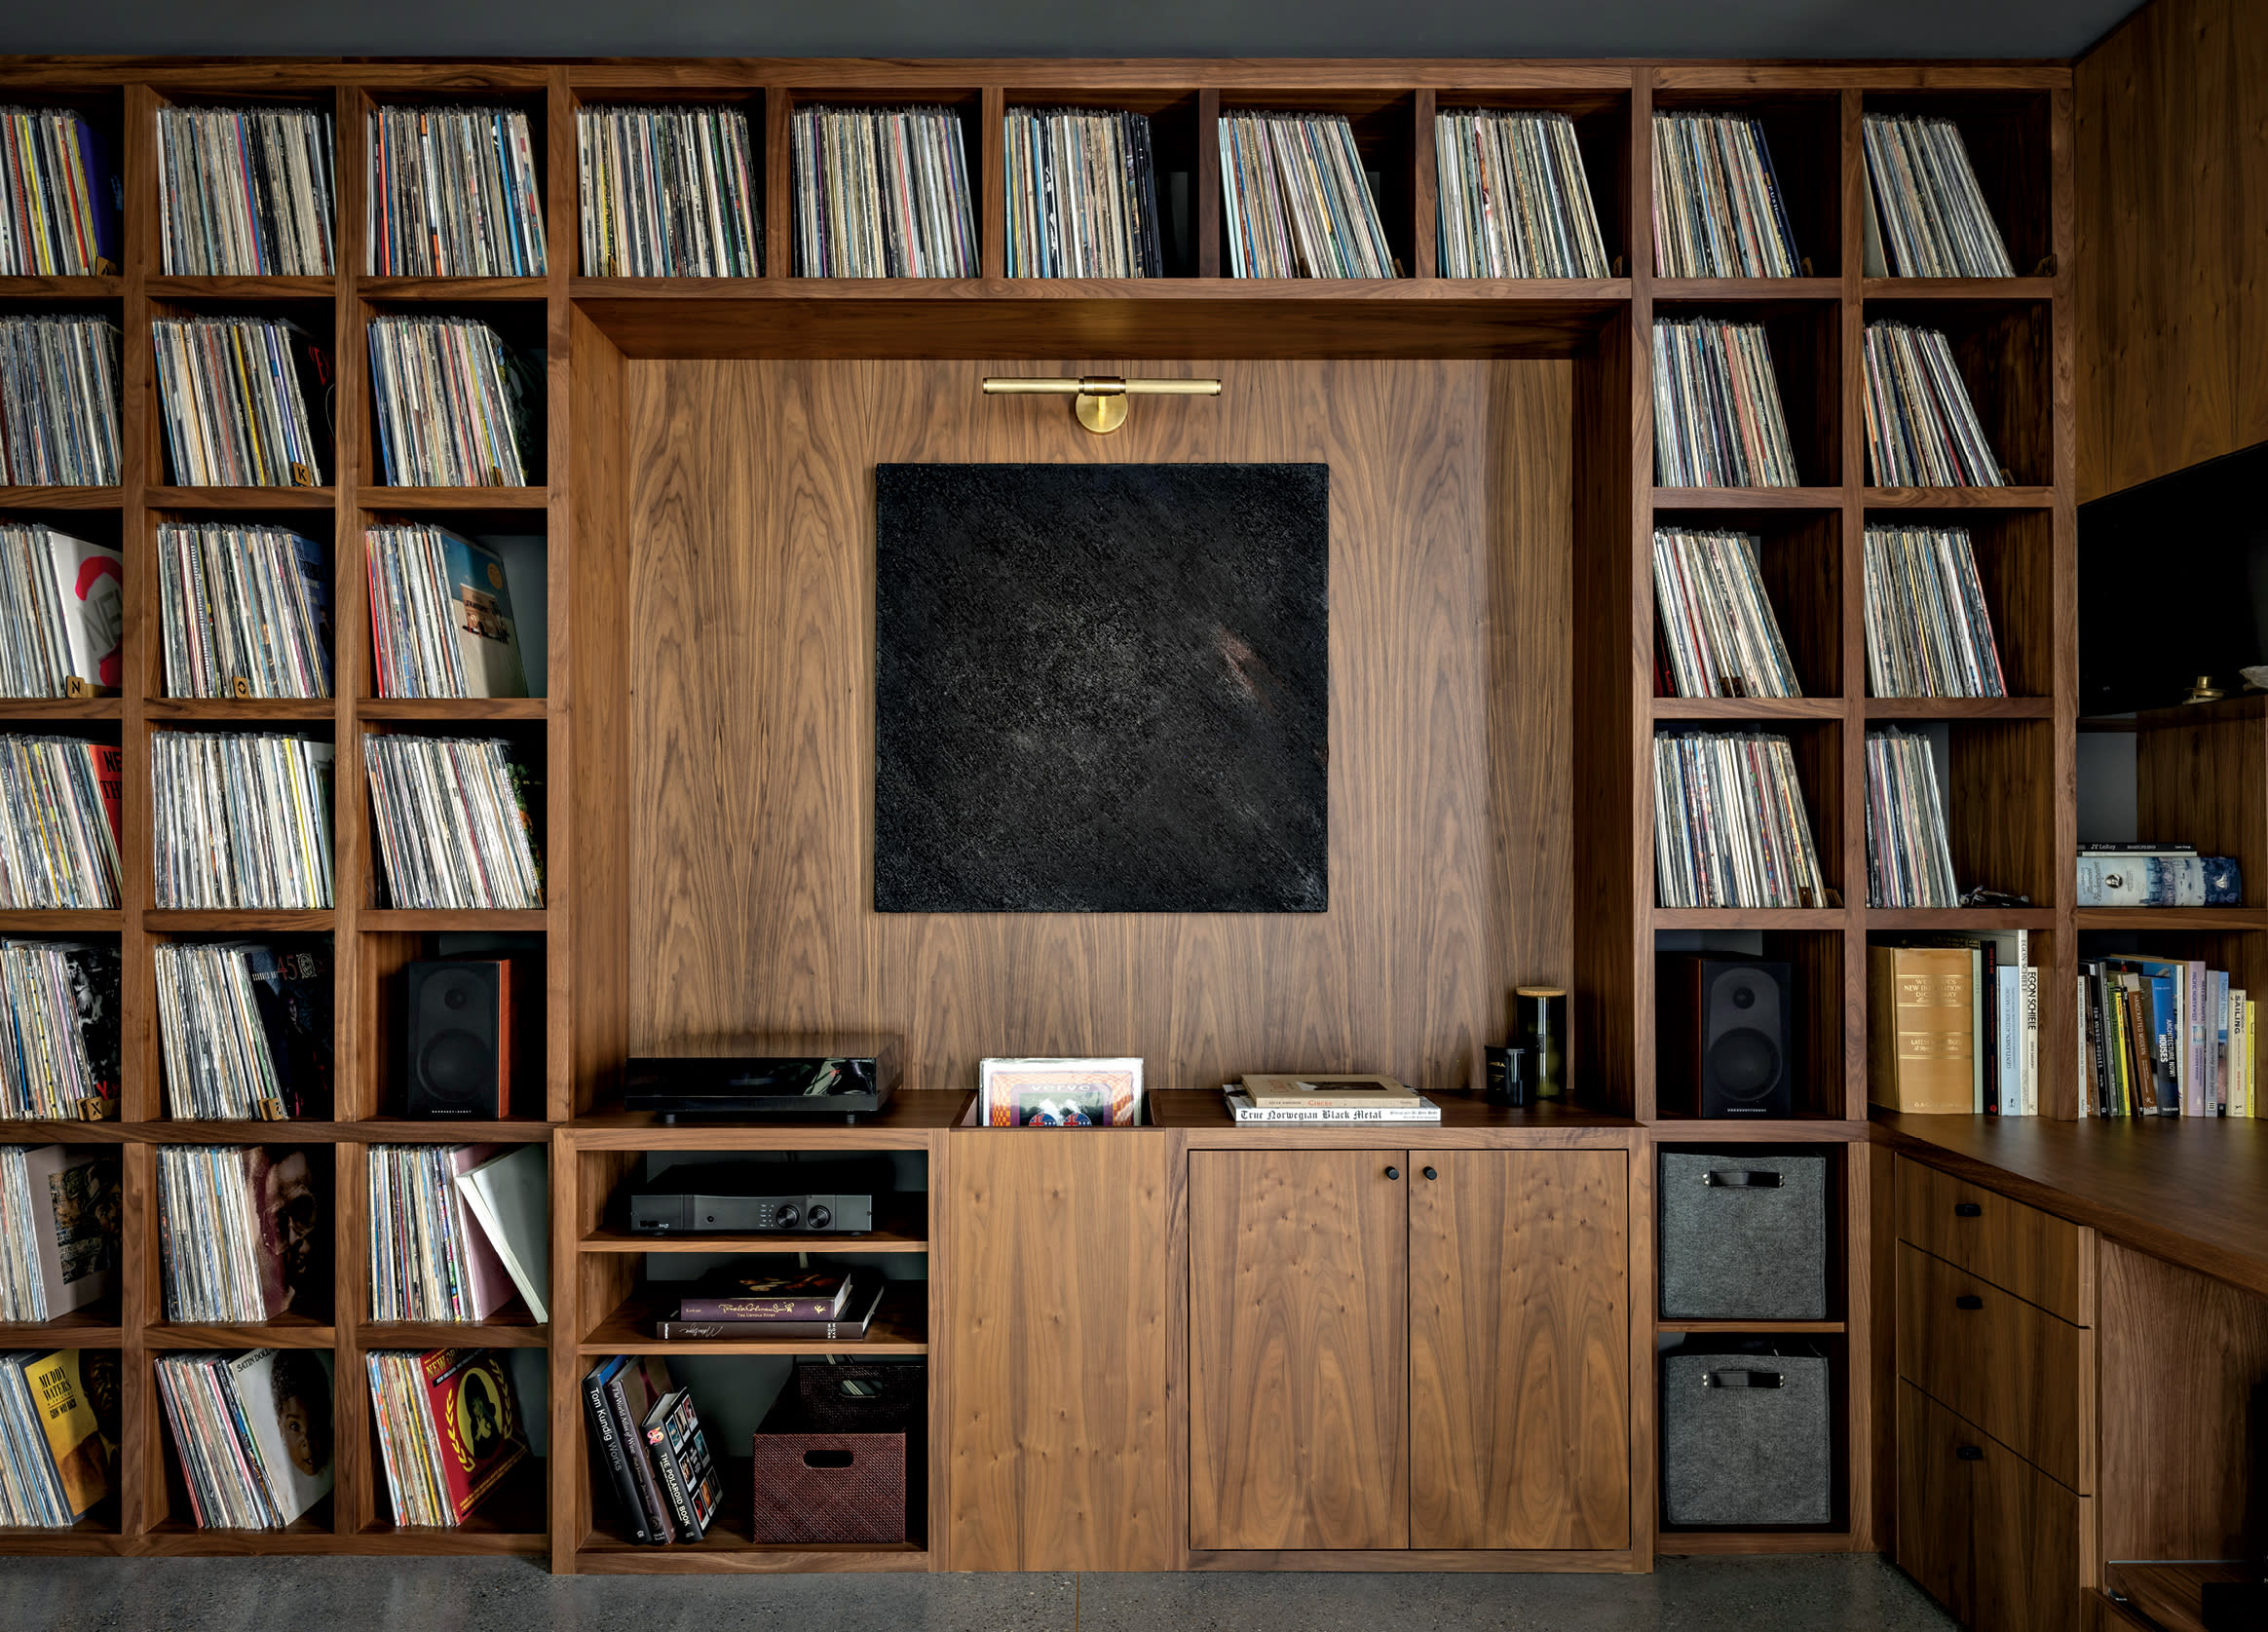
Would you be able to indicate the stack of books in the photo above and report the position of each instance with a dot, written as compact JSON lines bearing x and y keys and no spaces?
{"x":2148,"y":874}
{"x":449,"y":1430}
{"x":2164,"y":1037}
{"x":1731,"y":827}
{"x":246,"y":1031}
{"x":1954,"y":1024}
{"x":241,"y":820}
{"x":245,"y":192}
{"x":1713,"y":622}
{"x":1257,"y":1100}
{"x":1928,"y":630}
{"x":58,"y":1031}
{"x":1926,"y":217}
{"x":453,"y":824}
{"x":1922,"y":431}
{"x":245,"y":609}
{"x":62,"y":613}
{"x":58,"y":1451}
{"x":235,"y":393}
{"x":453,"y":194}
{"x":1718,"y":419}
{"x":1081,"y":195}
{"x":58,"y":401}
{"x":836,"y":1305}
{"x":58,"y":1229}
{"x":1513,"y":201}
{"x":453,"y":403}
{"x":58,"y":823}
{"x":58,"y":214}
{"x":1719,"y":211}
{"x":242,"y":1227}
{"x":668,"y":192}
{"x":254,"y":1433}
{"x":1909,"y":863}
{"x":1297,"y":202}
{"x":451,"y":1236}
{"x":649,"y":1434}
{"x":441,"y":615}
{"x":881,"y":193}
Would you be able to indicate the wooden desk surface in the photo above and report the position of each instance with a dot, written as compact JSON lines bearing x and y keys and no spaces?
{"x":2190,"y":1190}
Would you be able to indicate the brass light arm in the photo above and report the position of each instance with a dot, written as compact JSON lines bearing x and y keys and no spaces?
{"x":1101,"y":397}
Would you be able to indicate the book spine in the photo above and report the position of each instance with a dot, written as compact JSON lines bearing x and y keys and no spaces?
{"x":665,"y":1461}
{"x":641,"y":1467}
{"x":757,"y":1331}
{"x":760,"y":1310}
{"x":1246,"y":1118}
{"x":603,"y":1434}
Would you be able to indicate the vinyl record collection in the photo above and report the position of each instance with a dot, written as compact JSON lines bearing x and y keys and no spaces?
{"x":1717,"y":420}
{"x":1928,"y":630}
{"x":2166,"y":1037}
{"x":1730,"y":827}
{"x":62,"y":612}
{"x":1713,"y":620}
{"x":453,"y":824}
{"x":440,"y":615}
{"x":453,"y":194}
{"x":1908,"y":862}
{"x":241,"y":820}
{"x":58,"y":1247}
{"x":1922,"y":431}
{"x":881,"y":192}
{"x":58,"y":401}
{"x":431,"y":1256}
{"x":649,"y":1434}
{"x":58,"y":1037}
{"x":1513,"y":198}
{"x":245,"y":608}
{"x":254,"y":1432}
{"x":1718,"y":209}
{"x":668,"y":192}
{"x":453,"y":403}
{"x":236,"y":393}
{"x":1081,"y":195}
{"x":449,"y":1430}
{"x":247,"y":1030}
{"x":238,"y":1226}
{"x":59,"y":1435}
{"x":245,"y":192}
{"x":1926,"y":217}
{"x":58,"y":195}
{"x":1297,"y":200}
{"x":58,"y":823}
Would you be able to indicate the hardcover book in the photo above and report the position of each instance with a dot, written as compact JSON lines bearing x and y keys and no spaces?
{"x":631,"y":1393}
{"x":2157,"y":880}
{"x":1921,"y":1020}
{"x":857,"y":1319}
{"x":805,"y":1295}
{"x":1313,"y":1090}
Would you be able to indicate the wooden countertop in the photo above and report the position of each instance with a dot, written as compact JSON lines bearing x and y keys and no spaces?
{"x":2190,"y":1190}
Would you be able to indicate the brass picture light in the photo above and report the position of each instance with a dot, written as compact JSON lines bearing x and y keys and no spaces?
{"x":1101,"y":397}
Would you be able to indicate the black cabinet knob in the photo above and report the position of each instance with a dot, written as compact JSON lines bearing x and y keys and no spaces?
{"x":1431,"y":1174}
{"x":1968,"y":1300}
{"x":1393,"y":1172}
{"x":1967,"y":1210}
{"x":1970,"y":1453}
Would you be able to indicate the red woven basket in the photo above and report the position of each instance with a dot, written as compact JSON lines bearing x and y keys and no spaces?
{"x":830,"y":1487}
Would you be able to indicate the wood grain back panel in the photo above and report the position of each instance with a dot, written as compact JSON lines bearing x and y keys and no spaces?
{"x":750,"y":794}
{"x":1519,"y":1350}
{"x":1298,"y":1349}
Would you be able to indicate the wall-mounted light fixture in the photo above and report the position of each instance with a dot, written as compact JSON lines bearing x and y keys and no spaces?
{"x":1101,"y":397}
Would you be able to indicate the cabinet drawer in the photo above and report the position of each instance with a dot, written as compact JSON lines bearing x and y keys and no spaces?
{"x":1989,"y":1536}
{"x":2021,"y":1249}
{"x":2014,"y":1370}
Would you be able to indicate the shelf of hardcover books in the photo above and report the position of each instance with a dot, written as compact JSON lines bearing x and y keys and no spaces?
{"x":1804,"y":1504}
{"x":1976,"y":374}
{"x":61,"y":1415}
{"x":1990,"y":1032}
{"x":242,"y":826}
{"x":1803,"y":340}
{"x":1600,"y":120}
{"x":455,"y":411}
{"x":244,"y":616}
{"x":630,"y":145}
{"x":1782,"y":990}
{"x":243,"y":395}
{"x":2006,"y":136}
{"x":1960,"y":614}
{"x":459,"y":614}
{"x":459,"y":1444}
{"x":264,"y":229}
{"x":245,"y":1028}
{"x":1802,"y":133}
{"x":2167,"y":1021}
{"x":1747,"y":610}
{"x":473,"y":862}
{"x":1749,"y":824}
{"x":249,"y":1445}
{"x":1384,"y":124}
{"x":1151,"y":131}
{"x":950,"y":149}
{"x":410,"y":979}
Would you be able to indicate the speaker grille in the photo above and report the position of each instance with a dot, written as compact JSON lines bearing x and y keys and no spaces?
{"x":1745,"y":1063}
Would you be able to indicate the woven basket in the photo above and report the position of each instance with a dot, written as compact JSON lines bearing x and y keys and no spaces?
{"x":814,"y":1486}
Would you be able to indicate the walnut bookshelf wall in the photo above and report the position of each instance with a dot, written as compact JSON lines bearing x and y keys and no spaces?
{"x":2013,"y":820}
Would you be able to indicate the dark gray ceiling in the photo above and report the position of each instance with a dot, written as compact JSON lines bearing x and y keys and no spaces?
{"x":1067,"y":27}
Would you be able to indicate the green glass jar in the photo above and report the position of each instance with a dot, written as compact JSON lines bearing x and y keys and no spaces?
{"x":1539,"y":1025}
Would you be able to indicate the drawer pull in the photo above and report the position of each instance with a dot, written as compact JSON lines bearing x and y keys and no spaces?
{"x":1743,"y":1379}
{"x":1968,"y":1300}
{"x":1744,"y":1179}
{"x":1432,"y":1173}
{"x":1393,"y":1172}
{"x":1967,"y":1210}
{"x":1970,"y":1452}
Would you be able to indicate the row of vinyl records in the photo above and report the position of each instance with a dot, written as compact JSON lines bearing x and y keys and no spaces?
{"x":243,"y":821}
{"x":673,"y":191}
{"x":1731,"y":828}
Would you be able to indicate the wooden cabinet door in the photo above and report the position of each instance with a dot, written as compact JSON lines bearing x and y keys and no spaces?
{"x":1298,"y":1349}
{"x":1519,"y":1350}
{"x":1936,"y":1493}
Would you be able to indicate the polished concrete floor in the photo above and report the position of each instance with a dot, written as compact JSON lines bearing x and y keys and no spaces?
{"x":1849,"y":1594}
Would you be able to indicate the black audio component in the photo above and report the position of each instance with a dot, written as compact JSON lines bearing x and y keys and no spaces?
{"x":774,"y":1078}
{"x":1723,"y":1041}
{"x":468,"y":1021}
{"x":836,"y":1197}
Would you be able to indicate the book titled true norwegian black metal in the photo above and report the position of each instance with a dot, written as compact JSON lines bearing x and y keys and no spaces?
{"x":774,"y":1078}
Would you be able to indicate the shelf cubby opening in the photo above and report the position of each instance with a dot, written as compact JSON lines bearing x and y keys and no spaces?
{"x":1814,"y":1060}
{"x":1800,"y":556}
{"x":520,"y":537}
{"x":514,"y":1515}
{"x":1178,"y":152}
{"x":518,"y":322}
{"x":2014,"y":556}
{"x":1803,"y":131}
{"x":774,"y":217}
{"x":314,"y":321}
{"x":301,"y":1195}
{"x":525,"y":747}
{"x":308,"y":525}
{"x":1805,"y":340}
{"x":152,"y":225}
{"x":1672,"y":1538}
{"x":1602,"y":121}
{"x":2007,"y":137}
{"x":307,"y":963}
{"x":1385,"y":133}
{"x":1816,"y":746}
{"x":2005,"y":352}
{"x":103,"y":108}
{"x":312,"y":1431}
{"x":964,"y":102}
{"x":534,"y":102}
{"x":384,"y":1017}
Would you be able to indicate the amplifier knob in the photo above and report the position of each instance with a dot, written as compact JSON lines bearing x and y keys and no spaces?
{"x":820,"y":1217}
{"x":786,"y":1217}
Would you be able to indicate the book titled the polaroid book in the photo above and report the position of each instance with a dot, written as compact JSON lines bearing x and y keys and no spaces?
{"x":1287,"y":1099}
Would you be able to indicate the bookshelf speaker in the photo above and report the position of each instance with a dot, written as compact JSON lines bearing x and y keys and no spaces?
{"x":460,"y":1022}
{"x":1724,"y":1035}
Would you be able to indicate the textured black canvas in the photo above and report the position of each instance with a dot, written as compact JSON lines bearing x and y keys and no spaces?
{"x":1101,"y":688}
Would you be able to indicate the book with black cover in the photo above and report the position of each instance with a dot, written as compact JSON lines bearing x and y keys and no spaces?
{"x":852,"y":1328}
{"x":804,"y":1295}
{"x":606,"y":1446}
{"x":631,"y":1392}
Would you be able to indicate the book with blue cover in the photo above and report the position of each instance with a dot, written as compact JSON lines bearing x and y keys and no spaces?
{"x":2160,"y":879}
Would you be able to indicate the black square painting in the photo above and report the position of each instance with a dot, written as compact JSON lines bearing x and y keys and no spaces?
{"x":1102,"y":688}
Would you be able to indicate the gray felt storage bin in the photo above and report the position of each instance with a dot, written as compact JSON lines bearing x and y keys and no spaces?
{"x":1745,"y":1437}
{"x":1744,"y":1236}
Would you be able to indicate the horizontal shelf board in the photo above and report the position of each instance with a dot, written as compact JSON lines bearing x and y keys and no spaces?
{"x":903,"y":1231}
{"x":1536,"y":291}
{"x":1960,"y":918}
{"x":1204,"y":1110}
{"x":173,"y":286}
{"x":1680,"y":290}
{"x":1748,"y":498}
{"x":96,"y":1327}
{"x":453,"y":288}
{"x":243,"y":710}
{"x":387,"y":1130}
{"x":383,"y":498}
{"x":444,"y":708}
{"x":1958,"y":498}
{"x":86,"y":1539}
{"x":500,"y":1331}
{"x":44,"y":1130}
{"x":180,"y":1538}
{"x":59,"y":711}
{"x":1960,"y":707}
{"x":58,"y":287}
{"x":723,"y":1551}
{"x":899,"y":1327}
{"x":241,"y":498}
{"x":230,"y":920}
{"x":2169,"y":917}
{"x":1729,"y":1328}
{"x":444,"y":1539}
{"x":1975,"y":291}
{"x":1749,"y":707}
{"x":912,"y":1115}
{"x":1758,"y":1131}
{"x":289,"y":1330}
{"x":1749,"y":917}
{"x":446,"y":921}
{"x":1676,"y":1544}
{"x":62,"y":498}
{"x":92,"y":921}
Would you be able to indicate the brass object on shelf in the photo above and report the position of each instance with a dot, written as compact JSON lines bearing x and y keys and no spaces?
{"x":2204,"y":690}
{"x":1100,"y":403}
